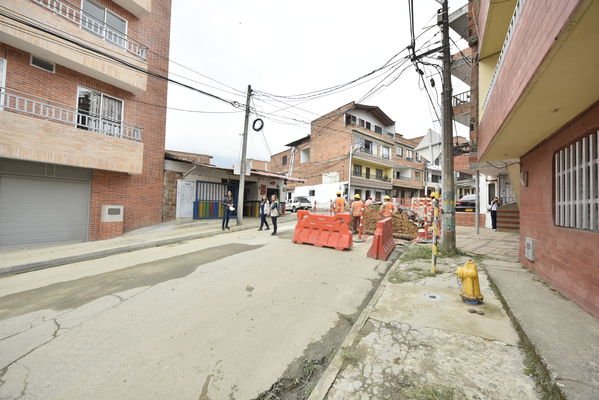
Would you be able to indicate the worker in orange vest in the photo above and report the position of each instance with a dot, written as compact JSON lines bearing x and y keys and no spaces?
{"x":387,"y":208}
{"x":368,"y":201}
{"x":357,"y":210}
{"x":339,"y":204}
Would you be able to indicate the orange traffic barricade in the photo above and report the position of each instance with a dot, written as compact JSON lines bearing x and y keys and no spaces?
{"x":323,"y":230}
{"x":383,"y":242}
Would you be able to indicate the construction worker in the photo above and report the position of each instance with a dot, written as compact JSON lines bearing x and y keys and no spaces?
{"x":387,"y":208}
{"x":339,"y":204}
{"x":368,"y":201}
{"x":357,"y":210}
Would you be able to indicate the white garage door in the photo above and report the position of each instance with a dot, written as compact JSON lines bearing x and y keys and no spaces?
{"x":42,"y":210}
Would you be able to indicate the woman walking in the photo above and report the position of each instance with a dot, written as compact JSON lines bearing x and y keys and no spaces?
{"x":274,"y":213}
{"x":229,"y":206}
{"x":264,"y":211}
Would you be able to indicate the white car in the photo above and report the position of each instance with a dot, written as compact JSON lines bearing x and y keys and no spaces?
{"x":299,"y":203}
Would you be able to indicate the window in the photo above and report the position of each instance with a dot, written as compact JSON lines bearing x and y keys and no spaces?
{"x":99,"y":112}
{"x":379,"y":174}
{"x":409,"y":154}
{"x":284,"y":160}
{"x":2,"y":81}
{"x":377,"y":196}
{"x":417,"y":176}
{"x":576,"y":177}
{"x":361,"y":122}
{"x":397,"y":175}
{"x":367,"y":146}
{"x":312,"y":192}
{"x":357,"y":170}
{"x":378,"y":129}
{"x":42,"y":64}
{"x":385,"y":152}
{"x":350,"y":119}
{"x":305,"y":155}
{"x":367,"y":173}
{"x":399,"y":151}
{"x":367,"y":195}
{"x":367,"y":125}
{"x":102,"y":22}
{"x":418,"y":158}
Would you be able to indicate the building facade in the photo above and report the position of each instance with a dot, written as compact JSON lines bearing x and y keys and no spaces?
{"x":539,"y":106}
{"x":353,"y":149}
{"x":82,"y":123}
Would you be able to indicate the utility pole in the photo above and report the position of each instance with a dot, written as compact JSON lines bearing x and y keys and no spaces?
{"x":448,"y":233}
{"x":243,"y":163}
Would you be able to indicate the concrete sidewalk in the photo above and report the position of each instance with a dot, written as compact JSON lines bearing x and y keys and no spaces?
{"x":28,"y":258}
{"x":417,"y":338}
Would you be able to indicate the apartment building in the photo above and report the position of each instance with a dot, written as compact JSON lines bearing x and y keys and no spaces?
{"x":538,"y":106}
{"x":409,"y":171}
{"x":82,"y":124}
{"x":353,"y":149}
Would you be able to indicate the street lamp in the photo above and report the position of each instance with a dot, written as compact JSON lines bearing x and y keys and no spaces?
{"x":351,"y":156}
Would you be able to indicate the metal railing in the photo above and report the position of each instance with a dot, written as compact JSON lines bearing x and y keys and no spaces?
{"x":506,"y":44}
{"x":371,"y":176}
{"x":19,"y":102}
{"x":97,"y":27}
{"x":460,"y":98}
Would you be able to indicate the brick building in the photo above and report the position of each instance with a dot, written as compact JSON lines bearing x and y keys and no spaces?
{"x":82,"y":124}
{"x":354,"y":148}
{"x":538,"y":92}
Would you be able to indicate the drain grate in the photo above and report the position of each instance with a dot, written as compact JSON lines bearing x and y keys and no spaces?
{"x":433,"y":296}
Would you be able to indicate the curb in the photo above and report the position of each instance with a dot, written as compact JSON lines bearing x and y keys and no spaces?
{"x":22,"y":268}
{"x":329,"y":375}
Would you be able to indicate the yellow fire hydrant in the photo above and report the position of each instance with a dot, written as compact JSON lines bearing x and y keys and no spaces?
{"x":468,"y":275}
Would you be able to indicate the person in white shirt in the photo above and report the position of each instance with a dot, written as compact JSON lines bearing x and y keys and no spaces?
{"x":494,"y":204}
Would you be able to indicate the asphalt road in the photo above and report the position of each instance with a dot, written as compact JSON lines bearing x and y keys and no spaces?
{"x":216,"y":318}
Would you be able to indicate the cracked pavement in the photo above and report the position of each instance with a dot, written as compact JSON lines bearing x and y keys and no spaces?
{"x":175,"y":321}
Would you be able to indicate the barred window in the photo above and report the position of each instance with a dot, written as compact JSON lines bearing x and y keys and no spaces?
{"x":577,"y":184}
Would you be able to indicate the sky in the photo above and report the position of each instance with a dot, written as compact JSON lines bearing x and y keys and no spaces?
{"x":284,"y":48}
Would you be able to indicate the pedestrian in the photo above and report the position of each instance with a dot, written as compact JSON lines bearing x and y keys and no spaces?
{"x":229,"y":206}
{"x":387,"y":208}
{"x":274,"y":213}
{"x":494,"y":204}
{"x":368,"y":201}
{"x":264,"y":211}
{"x":339,"y":204}
{"x":357,"y":208}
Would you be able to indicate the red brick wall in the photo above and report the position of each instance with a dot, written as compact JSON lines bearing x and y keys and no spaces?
{"x":141,"y":195}
{"x":538,"y":26}
{"x":468,"y":219}
{"x":566,"y":258}
{"x":110,"y":229}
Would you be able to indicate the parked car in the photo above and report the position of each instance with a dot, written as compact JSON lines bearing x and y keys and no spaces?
{"x":299,"y":203}
{"x":466,"y":203}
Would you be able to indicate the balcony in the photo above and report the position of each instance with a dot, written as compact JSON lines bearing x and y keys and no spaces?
{"x":64,"y":22}
{"x":461,"y":63}
{"x":408,"y":182}
{"x":371,"y":180}
{"x":458,"y":21}
{"x":139,"y":8}
{"x":42,"y":130}
{"x":367,"y":155}
{"x":461,"y":107}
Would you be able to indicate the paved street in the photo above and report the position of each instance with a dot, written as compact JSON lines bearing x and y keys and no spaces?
{"x":222,"y":317}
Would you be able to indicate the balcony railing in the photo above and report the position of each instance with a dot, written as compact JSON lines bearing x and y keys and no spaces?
{"x":100,"y":28}
{"x":372,"y":129}
{"x":371,"y":177}
{"x":506,"y":45}
{"x":460,"y":98}
{"x":24,"y":103}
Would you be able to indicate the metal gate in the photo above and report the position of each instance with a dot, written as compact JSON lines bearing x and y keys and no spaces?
{"x":209,"y":199}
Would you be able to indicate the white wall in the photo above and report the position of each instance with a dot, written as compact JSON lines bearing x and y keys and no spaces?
{"x":323,"y":192}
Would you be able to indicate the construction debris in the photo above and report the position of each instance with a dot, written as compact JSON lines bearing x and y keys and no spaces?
{"x":403,"y":228}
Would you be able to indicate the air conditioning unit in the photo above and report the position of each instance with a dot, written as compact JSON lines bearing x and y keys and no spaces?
{"x":529,"y":249}
{"x":112,"y":214}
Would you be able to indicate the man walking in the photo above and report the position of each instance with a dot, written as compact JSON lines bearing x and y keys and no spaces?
{"x":339,"y":204}
{"x":387,"y":208}
{"x":494,"y":206}
{"x":357,"y":208}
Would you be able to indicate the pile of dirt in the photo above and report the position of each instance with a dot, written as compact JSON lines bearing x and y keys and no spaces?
{"x":403,"y":228}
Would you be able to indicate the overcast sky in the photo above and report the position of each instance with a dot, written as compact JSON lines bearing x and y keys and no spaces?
{"x":286,"y":48}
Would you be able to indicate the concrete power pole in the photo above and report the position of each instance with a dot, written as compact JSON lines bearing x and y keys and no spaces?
{"x":448,"y":233}
{"x":243,"y":163}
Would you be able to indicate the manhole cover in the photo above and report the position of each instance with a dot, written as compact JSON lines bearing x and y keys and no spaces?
{"x":245,"y":237}
{"x":433,"y":296}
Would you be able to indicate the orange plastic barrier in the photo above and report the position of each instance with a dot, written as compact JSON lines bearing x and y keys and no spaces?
{"x":383,"y":242}
{"x":323,"y":230}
